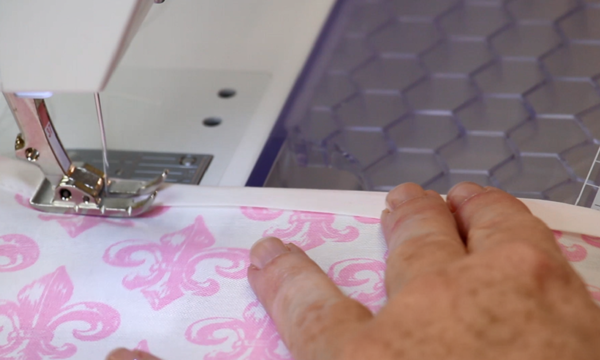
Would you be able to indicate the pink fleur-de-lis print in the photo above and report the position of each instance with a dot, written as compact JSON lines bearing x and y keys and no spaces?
{"x":41,"y":307}
{"x":261,"y":214}
{"x":75,"y":225}
{"x":574,"y":252}
{"x":309,"y":230}
{"x":17,"y":252}
{"x":364,"y":278}
{"x":594,"y":291}
{"x":367,"y":220}
{"x":592,"y":240}
{"x":21,"y":200}
{"x":155,"y":212}
{"x":167,"y":270}
{"x":254,"y":337}
{"x":557,"y":234}
{"x":143,"y":346}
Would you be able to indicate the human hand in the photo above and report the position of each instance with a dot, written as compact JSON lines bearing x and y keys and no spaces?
{"x":476,"y":277}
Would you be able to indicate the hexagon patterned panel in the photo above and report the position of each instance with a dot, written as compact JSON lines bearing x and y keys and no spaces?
{"x":499,"y":92}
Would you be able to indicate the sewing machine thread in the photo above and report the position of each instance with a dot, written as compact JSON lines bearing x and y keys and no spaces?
{"x":103,"y":138}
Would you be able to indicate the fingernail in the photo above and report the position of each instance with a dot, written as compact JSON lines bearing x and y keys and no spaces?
{"x":461,"y":193}
{"x":265,"y":250}
{"x":124,"y":354}
{"x":401,"y":194}
{"x":121,"y":354}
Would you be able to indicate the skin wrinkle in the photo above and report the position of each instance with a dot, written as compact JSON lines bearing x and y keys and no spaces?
{"x":494,"y":227}
{"x":417,"y":214}
{"x":285,"y":299}
{"x":414,"y":259}
{"x":337,"y":312}
{"x":486,"y":190}
{"x":417,"y":248}
{"x":394,"y":204}
{"x":456,"y":207}
{"x":489,"y":308}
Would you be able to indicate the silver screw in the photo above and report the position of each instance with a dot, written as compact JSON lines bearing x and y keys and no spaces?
{"x":32,"y":154}
{"x":19,"y":142}
{"x":187,"y":160}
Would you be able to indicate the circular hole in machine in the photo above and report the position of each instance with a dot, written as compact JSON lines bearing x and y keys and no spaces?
{"x":227,"y":93}
{"x":212,"y":121}
{"x":65,"y":194}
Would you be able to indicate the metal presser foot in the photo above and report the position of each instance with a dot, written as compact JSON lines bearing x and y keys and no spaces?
{"x":73,"y":188}
{"x":83,"y":192}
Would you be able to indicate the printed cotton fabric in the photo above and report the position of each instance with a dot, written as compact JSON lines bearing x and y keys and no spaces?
{"x":174,"y":281}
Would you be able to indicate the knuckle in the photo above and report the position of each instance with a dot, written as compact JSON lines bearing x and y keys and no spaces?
{"x":417,"y":249}
{"x":533,"y":261}
{"x":493,"y":205}
{"x":403,"y":192}
{"x":322,"y":321}
{"x":495,"y":196}
{"x":361,"y":347}
{"x":408,"y":220}
{"x":528,"y":253}
{"x":434,"y":285}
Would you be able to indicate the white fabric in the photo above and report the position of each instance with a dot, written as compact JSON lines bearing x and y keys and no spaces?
{"x":174,"y":281}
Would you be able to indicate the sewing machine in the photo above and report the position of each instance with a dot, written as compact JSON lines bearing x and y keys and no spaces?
{"x":192,"y":85}
{"x":429,"y":91}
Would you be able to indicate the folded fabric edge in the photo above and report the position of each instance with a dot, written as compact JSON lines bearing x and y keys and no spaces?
{"x":558,"y":216}
{"x":19,"y":177}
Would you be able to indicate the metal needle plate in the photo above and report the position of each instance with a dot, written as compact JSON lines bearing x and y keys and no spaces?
{"x":145,"y":166}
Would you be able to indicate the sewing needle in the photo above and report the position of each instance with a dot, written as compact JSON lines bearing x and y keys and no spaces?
{"x":103,"y":138}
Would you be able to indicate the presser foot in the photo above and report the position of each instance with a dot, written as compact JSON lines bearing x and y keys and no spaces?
{"x":83,"y":192}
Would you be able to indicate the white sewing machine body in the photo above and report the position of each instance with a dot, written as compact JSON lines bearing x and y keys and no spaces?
{"x":168,"y":80}
{"x":373,"y":104}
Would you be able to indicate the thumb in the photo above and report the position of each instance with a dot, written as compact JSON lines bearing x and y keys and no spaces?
{"x":124,"y":354}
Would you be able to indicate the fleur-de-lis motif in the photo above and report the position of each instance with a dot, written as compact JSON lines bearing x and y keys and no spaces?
{"x":252,"y":337}
{"x":363,"y":278}
{"x":75,"y":225}
{"x":309,"y":230}
{"x":42,"y":307}
{"x":167,"y":268}
{"x":574,"y":252}
{"x":592,"y":240}
{"x":261,"y":214}
{"x":19,"y":251}
{"x":594,"y":291}
{"x":143,"y":346}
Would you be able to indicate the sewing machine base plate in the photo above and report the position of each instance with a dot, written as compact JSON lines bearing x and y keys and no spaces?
{"x":183,"y":168}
